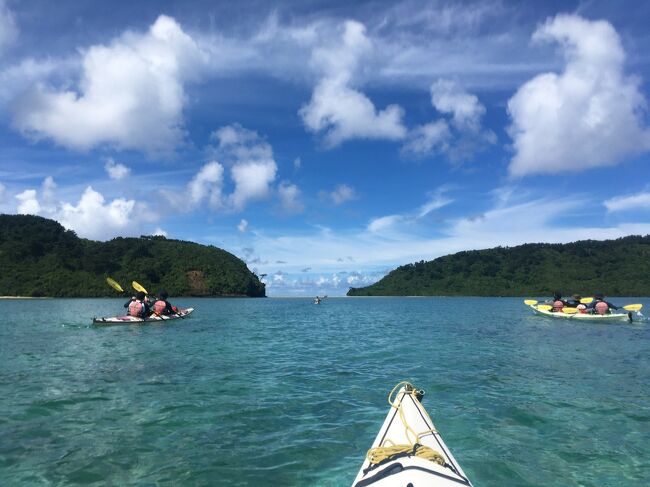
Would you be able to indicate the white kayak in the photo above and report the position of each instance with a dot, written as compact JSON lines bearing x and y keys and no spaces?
{"x":408,"y":429}
{"x":627,"y":316}
{"x":132,"y":320}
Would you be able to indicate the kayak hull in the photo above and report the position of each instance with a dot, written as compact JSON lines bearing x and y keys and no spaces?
{"x":615,"y":317}
{"x":132,"y":320}
{"x":407,"y":469}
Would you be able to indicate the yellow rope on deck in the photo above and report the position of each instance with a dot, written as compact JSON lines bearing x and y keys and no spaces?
{"x":381,"y":453}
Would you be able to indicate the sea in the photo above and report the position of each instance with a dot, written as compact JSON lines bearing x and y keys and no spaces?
{"x":275,"y":391}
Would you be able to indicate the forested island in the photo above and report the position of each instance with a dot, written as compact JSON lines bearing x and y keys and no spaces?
{"x":618,"y":267}
{"x":39,"y":258}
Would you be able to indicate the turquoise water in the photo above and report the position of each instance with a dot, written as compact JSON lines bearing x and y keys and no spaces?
{"x":282,"y":392}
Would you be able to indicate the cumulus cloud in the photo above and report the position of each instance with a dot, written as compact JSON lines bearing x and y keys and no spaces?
{"x":206,"y":185}
{"x":8,"y":27}
{"x":159,"y":232}
{"x":636,"y":201}
{"x":460,"y":135}
{"x":589,"y":115}
{"x":116,"y":170}
{"x":130,"y":94}
{"x":92,"y":217}
{"x":242,"y":226}
{"x":28,"y":203}
{"x":253,"y":168}
{"x":337,"y":109}
{"x":290,"y":197}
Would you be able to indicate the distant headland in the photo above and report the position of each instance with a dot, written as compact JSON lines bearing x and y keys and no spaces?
{"x":618,"y":267}
{"x":39,"y":258}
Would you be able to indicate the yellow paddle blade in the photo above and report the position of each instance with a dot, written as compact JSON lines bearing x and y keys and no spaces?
{"x":530,"y":302}
{"x":138,"y":287}
{"x":570,"y":311}
{"x":114,"y":284}
{"x":586,"y":300}
{"x":545,"y":307}
{"x":633,"y":307}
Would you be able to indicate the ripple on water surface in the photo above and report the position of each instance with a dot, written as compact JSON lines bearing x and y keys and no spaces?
{"x":281,"y":392}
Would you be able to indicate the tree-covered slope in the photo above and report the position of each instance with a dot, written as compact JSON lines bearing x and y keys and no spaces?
{"x":615,"y":267}
{"x":38,"y":257}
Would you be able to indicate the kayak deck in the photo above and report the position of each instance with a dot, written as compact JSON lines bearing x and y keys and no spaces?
{"x":408,"y":424}
{"x":132,"y":320}
{"x":583,"y":316}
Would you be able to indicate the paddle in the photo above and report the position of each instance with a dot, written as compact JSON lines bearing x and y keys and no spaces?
{"x":569,"y":311}
{"x":111,"y":282}
{"x":586,"y":300}
{"x":633,"y":307}
{"x":530,"y":302}
{"x":545,"y":307}
{"x":139,"y":287}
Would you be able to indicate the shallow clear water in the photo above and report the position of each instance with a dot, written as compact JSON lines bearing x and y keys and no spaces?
{"x":282,"y":392}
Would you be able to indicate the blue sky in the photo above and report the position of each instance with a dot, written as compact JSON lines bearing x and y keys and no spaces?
{"x":326,"y":143}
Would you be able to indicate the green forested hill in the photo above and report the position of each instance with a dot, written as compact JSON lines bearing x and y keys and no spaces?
{"x":615,"y":267}
{"x":38,"y":257}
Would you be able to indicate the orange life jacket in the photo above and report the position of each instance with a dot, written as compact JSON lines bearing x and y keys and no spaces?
{"x":601,"y":307}
{"x":159,"y":306}
{"x":558,"y":305}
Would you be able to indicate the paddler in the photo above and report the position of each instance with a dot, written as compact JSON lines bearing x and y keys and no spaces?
{"x":138,"y":305}
{"x":600,"y":306}
{"x":162,"y":306}
{"x":558,"y":303}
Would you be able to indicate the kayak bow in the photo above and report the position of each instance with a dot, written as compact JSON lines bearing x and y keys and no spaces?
{"x":408,"y":449}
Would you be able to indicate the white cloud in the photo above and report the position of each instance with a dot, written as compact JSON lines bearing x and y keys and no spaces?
{"x":242,"y":226}
{"x":8,"y":27}
{"x":28,"y":203}
{"x":116,"y":170}
{"x":253,"y":166}
{"x":297,"y":163}
{"x":631,"y":202}
{"x":437,"y":201}
{"x":252,"y":181}
{"x":130,"y":95}
{"x":3,"y":189}
{"x":206,"y":185}
{"x":589,"y":115}
{"x":92,"y":217}
{"x":341,"y":194}
{"x":461,"y":136}
{"x":340,"y":111}
{"x":426,"y":138}
{"x":384,"y":223}
{"x":159,"y":232}
{"x":290,"y":197}
{"x":449,"y":98}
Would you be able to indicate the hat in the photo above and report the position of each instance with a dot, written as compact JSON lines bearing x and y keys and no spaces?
{"x":140,"y":296}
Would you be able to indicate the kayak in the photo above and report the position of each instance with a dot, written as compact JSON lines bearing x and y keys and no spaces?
{"x":583,"y":316}
{"x":408,"y":449}
{"x":132,"y":320}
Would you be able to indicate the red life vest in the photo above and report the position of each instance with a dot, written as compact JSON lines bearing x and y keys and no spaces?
{"x":601,"y":307}
{"x":136,"y":308}
{"x":558,"y":305}
{"x":159,"y":307}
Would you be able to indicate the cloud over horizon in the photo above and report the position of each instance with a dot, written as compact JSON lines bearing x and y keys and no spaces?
{"x":589,"y":115}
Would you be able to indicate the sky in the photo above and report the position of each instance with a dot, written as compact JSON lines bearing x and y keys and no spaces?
{"x":326,"y":143}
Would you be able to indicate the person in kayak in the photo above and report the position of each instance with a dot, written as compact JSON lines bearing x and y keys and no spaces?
{"x":162,"y":306}
{"x":557,"y":302}
{"x":138,"y":305}
{"x":600,"y":306}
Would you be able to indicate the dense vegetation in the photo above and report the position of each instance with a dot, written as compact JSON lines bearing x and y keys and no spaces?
{"x":615,"y":267}
{"x":38,"y":257}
